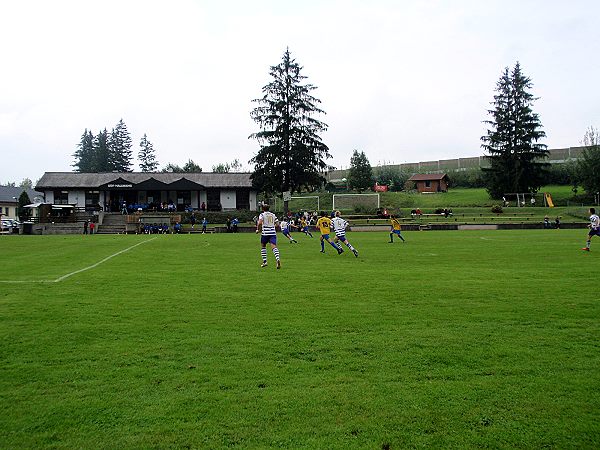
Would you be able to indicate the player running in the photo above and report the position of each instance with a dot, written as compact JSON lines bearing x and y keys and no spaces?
{"x":594,"y":228}
{"x":304,"y":227}
{"x":267,"y":221}
{"x":285,"y":229}
{"x":339,"y":227}
{"x":324,"y":224}
{"x":396,"y":229}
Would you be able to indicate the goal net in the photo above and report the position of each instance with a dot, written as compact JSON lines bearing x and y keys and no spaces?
{"x":305,"y":203}
{"x":363,"y":203}
{"x":295,"y":204}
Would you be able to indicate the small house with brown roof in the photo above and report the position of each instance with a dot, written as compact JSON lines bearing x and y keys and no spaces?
{"x":430,"y":182}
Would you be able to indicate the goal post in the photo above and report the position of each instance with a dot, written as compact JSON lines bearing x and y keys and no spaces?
{"x":306,"y":202}
{"x":297,"y":203}
{"x":356,"y":202}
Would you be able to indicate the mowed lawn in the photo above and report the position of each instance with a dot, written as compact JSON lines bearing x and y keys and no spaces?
{"x":455,"y":339}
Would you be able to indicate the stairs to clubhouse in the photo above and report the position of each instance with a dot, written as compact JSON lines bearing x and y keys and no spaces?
{"x":112,"y":223}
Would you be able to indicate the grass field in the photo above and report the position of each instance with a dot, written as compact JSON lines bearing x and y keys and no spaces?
{"x":452,"y":340}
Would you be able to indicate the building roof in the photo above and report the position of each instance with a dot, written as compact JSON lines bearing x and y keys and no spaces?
{"x":428,"y":177}
{"x":8,"y":192}
{"x":72,"y":180}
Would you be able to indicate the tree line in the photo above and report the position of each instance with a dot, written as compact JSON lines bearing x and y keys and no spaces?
{"x":111,"y":152}
{"x":292,"y":156}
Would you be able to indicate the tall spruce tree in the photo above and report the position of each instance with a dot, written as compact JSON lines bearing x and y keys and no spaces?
{"x":101,"y":153}
{"x":120,"y":153}
{"x":516,"y":157}
{"x":146,"y":156}
{"x":85,"y":159}
{"x":292,"y":155}
{"x":360,"y":175}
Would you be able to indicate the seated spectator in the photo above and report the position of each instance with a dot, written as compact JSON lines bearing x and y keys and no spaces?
{"x":547,"y":222}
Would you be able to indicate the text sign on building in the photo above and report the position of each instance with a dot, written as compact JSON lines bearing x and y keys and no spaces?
{"x":120,"y":186}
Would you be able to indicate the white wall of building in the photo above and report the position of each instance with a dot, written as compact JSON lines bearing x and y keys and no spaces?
{"x":228,"y":198}
{"x":9,"y":211}
{"x":202,"y":198}
{"x":49,"y":195}
{"x":253,"y":200}
{"x":77,"y":198}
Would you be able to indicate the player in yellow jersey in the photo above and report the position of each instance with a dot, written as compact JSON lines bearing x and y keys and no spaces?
{"x":396,"y":229}
{"x":304,"y":227}
{"x":324,"y":225}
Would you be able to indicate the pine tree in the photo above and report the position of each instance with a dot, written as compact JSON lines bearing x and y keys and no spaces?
{"x":146,"y":156}
{"x":120,"y":153}
{"x":360,"y":175}
{"x":24,"y":200}
{"x":292,"y":154}
{"x":84,"y":155}
{"x":101,"y":153}
{"x":515,"y":156}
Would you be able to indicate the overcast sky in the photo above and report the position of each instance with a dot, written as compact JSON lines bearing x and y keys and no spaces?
{"x":400,"y":80}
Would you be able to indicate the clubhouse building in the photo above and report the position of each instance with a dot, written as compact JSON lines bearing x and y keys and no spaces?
{"x":149,"y":191}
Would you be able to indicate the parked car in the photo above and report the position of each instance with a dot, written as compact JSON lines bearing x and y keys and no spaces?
{"x":10,"y":225}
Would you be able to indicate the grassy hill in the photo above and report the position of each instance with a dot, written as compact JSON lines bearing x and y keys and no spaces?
{"x":467,"y":201}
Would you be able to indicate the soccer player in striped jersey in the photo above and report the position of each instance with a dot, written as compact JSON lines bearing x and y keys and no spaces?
{"x":395,"y":230}
{"x":267,"y":221}
{"x":339,"y":227}
{"x":286,"y":228}
{"x":324,"y":224}
{"x":594,"y":228}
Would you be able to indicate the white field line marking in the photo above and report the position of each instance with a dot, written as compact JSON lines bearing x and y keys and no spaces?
{"x":64,"y":277}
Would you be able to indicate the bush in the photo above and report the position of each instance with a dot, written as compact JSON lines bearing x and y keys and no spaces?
{"x":213,"y":217}
{"x":470,"y":178}
{"x":391,"y":176}
{"x":497,"y":209}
